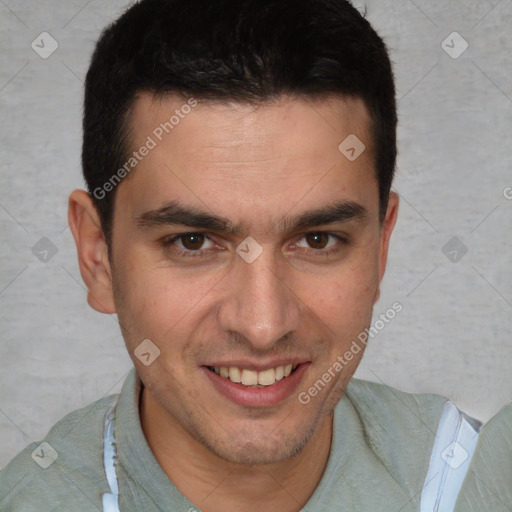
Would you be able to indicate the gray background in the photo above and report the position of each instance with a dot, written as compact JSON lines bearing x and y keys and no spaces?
{"x":453,"y":335}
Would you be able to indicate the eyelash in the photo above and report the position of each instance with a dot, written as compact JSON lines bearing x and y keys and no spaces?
{"x":168,"y":243}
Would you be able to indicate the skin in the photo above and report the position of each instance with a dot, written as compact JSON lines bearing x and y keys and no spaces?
{"x":253,"y":166}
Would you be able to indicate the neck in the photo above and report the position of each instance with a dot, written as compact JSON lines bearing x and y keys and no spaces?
{"x":215,"y":484}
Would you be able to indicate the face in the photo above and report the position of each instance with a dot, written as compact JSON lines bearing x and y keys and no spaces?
{"x":221,"y":306}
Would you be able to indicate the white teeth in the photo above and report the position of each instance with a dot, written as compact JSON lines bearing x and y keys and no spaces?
{"x":267,"y":377}
{"x":249,"y":378}
{"x":235,"y":374}
{"x":253,"y":378}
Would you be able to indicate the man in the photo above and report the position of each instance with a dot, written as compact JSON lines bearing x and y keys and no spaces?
{"x":239,"y":158}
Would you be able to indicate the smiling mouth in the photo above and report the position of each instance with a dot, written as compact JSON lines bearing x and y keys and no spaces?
{"x":254,"y":379}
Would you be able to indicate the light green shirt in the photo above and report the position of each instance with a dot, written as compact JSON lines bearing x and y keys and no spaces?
{"x":379,"y":459}
{"x":488,"y":484}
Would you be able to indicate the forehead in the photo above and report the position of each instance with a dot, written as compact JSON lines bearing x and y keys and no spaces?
{"x":283,"y":120}
{"x":222,"y":156}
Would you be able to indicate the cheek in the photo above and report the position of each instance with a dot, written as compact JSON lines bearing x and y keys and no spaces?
{"x":143,"y":296}
{"x":349,"y":288}
{"x":153,"y":304}
{"x":344,"y":300}
{"x":347,"y":308}
{"x":158,"y":300}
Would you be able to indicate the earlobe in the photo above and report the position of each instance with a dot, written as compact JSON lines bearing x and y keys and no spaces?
{"x":92,"y":251}
{"x":385,"y":235}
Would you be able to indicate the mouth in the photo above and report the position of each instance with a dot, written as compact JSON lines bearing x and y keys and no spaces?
{"x":251,"y":387}
{"x":252,"y":378}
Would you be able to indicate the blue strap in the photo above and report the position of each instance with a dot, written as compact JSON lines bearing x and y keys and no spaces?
{"x":110,"y":500}
{"x":456,"y":439}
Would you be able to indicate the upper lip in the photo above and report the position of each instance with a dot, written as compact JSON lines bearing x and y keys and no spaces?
{"x":257,"y":367}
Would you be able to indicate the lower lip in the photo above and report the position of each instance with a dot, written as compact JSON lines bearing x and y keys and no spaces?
{"x":258,"y":397}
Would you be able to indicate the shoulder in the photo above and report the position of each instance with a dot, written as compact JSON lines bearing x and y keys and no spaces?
{"x":488,"y":485}
{"x":64,"y":468}
{"x":411,"y":434}
{"x":409,"y":414}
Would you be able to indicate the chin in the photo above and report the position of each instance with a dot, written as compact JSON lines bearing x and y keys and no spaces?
{"x":264,"y":450}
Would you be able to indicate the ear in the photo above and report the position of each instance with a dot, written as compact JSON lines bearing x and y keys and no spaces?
{"x":385,"y":234}
{"x":92,"y":251}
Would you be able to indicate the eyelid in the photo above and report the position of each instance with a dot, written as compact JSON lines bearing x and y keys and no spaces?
{"x":339,"y":237}
{"x":178,"y":237}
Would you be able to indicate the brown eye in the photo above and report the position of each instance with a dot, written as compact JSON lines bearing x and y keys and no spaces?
{"x":317,"y":240}
{"x":192,"y":241}
{"x":197,"y":245}
{"x":322,"y":243}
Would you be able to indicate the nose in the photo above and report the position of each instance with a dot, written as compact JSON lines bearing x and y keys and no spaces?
{"x":260,"y":304}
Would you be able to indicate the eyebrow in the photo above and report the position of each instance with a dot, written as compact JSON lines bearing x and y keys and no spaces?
{"x":175,"y":213}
